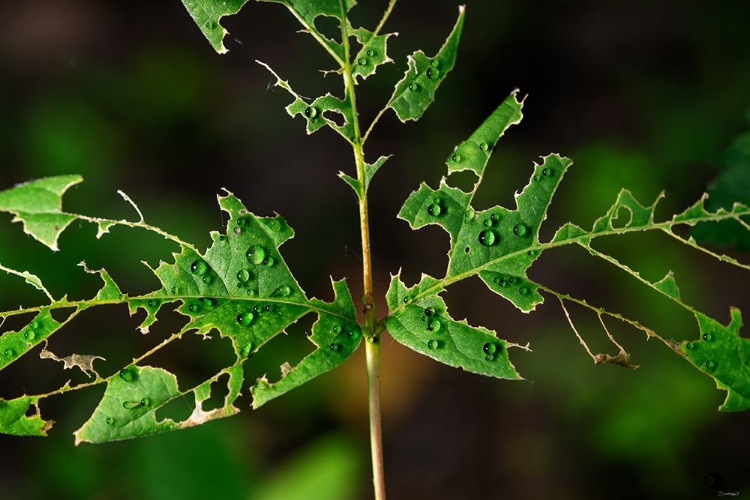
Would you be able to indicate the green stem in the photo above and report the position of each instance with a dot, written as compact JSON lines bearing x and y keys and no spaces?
{"x":372,"y":346}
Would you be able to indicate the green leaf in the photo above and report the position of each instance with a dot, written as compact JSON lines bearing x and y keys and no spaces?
{"x":373,"y":53}
{"x":38,"y":204}
{"x":723,"y":355}
{"x":425,"y":326}
{"x":14,"y":419}
{"x":416,"y":90}
{"x":307,"y":11}
{"x":208,"y":13}
{"x":240,"y":288}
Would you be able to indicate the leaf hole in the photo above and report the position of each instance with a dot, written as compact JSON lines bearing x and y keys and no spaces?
{"x":329,"y":27}
{"x":464,"y":180}
{"x":621,"y":218}
{"x":178,"y":409}
{"x":335,"y":116}
{"x":219,"y":392}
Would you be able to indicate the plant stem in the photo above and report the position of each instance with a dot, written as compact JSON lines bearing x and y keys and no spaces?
{"x":372,"y":345}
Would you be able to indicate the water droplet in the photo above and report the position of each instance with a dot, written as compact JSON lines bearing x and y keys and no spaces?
{"x":524,"y":290}
{"x":208,"y":279}
{"x":237,"y":230}
{"x":245,"y":318}
{"x":10,"y":353}
{"x":487,"y":237}
{"x":710,"y":365}
{"x":243,"y":276}
{"x":513,"y":280}
{"x":433,"y":73}
{"x":35,"y":325}
{"x":489,"y":357}
{"x":193,"y":308}
{"x":537,"y":178}
{"x":272,"y":224}
{"x":469,"y":215}
{"x":337,"y":329}
{"x":690,"y":345}
{"x":257,"y":309}
{"x":413,"y":87}
{"x":456,"y":158}
{"x":199,"y":267}
{"x":406,"y":299}
{"x":489,"y":348}
{"x":484,"y":146}
{"x":242,"y":221}
{"x":145,"y":402}
{"x":129,"y":373}
{"x":548,"y":172}
{"x":532,"y":253}
{"x":353,"y":334}
{"x":370,"y":53}
{"x":110,"y":421}
{"x":270,"y":261}
{"x":433,"y":344}
{"x":433,"y":325}
{"x":129,"y":405}
{"x":708,"y":336}
{"x":256,"y":254}
{"x":362,"y":61}
{"x":487,"y":223}
{"x":520,"y":230}
{"x":152,"y":303}
{"x":311,"y":112}
{"x":335,"y":347}
{"x":495,"y":217}
{"x":282,"y":291}
{"x":430,"y":311}
{"x":29,"y":335}
{"x":268,"y":308}
{"x":434,"y":210}
{"x":503,"y":282}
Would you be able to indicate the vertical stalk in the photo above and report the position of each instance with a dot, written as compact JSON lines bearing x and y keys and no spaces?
{"x":372,"y":345}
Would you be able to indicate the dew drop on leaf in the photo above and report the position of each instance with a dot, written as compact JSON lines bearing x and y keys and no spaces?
{"x":370,"y":53}
{"x":524,"y":290}
{"x":435,"y":63}
{"x":433,"y":344}
{"x":456,"y":158}
{"x":690,"y":345}
{"x":434,"y":210}
{"x":469,"y":215}
{"x":144,"y":402}
{"x":256,"y":254}
{"x":270,"y":261}
{"x":708,"y":336}
{"x":272,"y":224}
{"x":311,"y":112}
{"x":489,"y":357}
{"x":433,"y":73}
{"x":353,"y":334}
{"x":548,"y":172}
{"x":520,"y":230}
{"x":199,"y":267}
{"x":430,"y":311}
{"x":110,"y":421}
{"x":245,"y":352}
{"x":710,"y":365}
{"x":282,"y":291}
{"x":129,"y":374}
{"x":152,"y":303}
{"x":484,"y":146}
{"x":245,"y":318}
{"x":335,"y":347}
{"x":487,"y":237}
{"x":413,"y":87}
{"x":129,"y":405}
{"x":10,"y":353}
{"x":513,"y":280}
{"x":490,"y":348}
{"x":362,"y":61}
{"x":29,"y":335}
{"x":207,"y":279}
{"x":243,"y":276}
{"x":433,"y":325}
{"x":337,"y":329}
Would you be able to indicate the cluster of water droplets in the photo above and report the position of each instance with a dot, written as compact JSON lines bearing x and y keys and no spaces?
{"x":709,"y":364}
{"x":347,"y":331}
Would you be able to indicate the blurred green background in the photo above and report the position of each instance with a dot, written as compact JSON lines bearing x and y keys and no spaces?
{"x":644,"y":95}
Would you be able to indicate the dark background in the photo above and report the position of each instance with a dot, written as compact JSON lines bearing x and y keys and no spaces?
{"x":643,"y":95}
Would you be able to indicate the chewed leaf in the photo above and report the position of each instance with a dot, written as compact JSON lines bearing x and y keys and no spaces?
{"x":320,"y":111}
{"x":208,"y":13}
{"x":14,"y":418}
{"x":14,"y":344}
{"x":128,"y":407}
{"x":721,"y":353}
{"x":425,"y":326}
{"x":373,"y":53}
{"x":416,"y":90}
{"x":307,"y":11}
{"x":38,"y":204}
